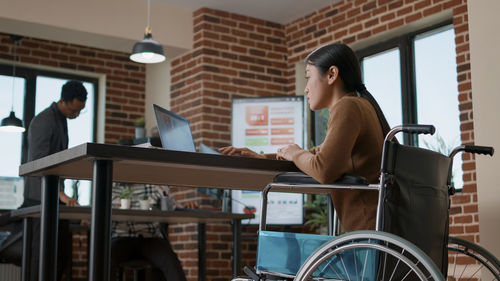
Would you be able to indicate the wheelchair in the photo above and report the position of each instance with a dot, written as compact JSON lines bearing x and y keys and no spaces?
{"x":411,"y":238}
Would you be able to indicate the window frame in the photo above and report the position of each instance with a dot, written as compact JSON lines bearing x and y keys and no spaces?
{"x":30,"y":75}
{"x":405,"y":44}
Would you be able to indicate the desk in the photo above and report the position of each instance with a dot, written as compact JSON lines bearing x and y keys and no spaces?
{"x":84,"y":213}
{"x":104,"y":163}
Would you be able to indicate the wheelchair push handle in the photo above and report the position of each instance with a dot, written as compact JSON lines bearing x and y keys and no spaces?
{"x":486,"y":150}
{"x":419,"y":129}
{"x":476,"y":149}
{"x":411,"y":129}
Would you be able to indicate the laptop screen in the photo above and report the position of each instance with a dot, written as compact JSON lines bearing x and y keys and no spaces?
{"x":174,"y":130}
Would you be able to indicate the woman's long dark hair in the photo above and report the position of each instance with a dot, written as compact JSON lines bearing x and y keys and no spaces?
{"x":341,"y":56}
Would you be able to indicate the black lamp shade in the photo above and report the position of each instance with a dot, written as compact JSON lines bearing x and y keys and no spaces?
{"x":147,"y":51}
{"x":12,"y":124}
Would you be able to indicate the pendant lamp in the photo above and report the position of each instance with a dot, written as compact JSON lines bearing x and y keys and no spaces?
{"x":12,"y":123}
{"x":147,"y":50}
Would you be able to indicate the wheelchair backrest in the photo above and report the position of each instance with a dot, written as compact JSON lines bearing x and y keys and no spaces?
{"x":416,"y":204}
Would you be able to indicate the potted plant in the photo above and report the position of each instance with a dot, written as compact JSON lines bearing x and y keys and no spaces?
{"x":316,"y":217}
{"x":140,"y":131}
{"x":125,"y":196}
{"x":144,"y":202}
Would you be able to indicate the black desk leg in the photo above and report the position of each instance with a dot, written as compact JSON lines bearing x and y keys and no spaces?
{"x":100,"y":234}
{"x":236,"y":248}
{"x":27,"y":236}
{"x":202,"y":247}
{"x":48,"y":230}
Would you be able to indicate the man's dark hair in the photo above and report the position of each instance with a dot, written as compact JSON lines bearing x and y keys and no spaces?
{"x":73,"y":89}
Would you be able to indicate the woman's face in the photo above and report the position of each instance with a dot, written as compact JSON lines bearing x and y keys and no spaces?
{"x":316,"y":89}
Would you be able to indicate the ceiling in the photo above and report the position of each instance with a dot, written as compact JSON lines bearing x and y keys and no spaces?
{"x":175,"y":15}
{"x":278,"y":11}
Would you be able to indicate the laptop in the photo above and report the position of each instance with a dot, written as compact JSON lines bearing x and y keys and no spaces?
{"x":175,"y":132}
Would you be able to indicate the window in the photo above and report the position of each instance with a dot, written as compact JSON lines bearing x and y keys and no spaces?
{"x":35,"y":90}
{"x":11,"y":186}
{"x":381,"y":74}
{"x":414,"y":79}
{"x":437,"y":95}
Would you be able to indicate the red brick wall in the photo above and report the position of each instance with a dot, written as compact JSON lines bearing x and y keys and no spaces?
{"x":80,"y":257}
{"x":232,"y":56}
{"x":236,"y":56}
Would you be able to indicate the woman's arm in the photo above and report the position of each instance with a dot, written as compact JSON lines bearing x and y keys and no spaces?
{"x":334,"y":157}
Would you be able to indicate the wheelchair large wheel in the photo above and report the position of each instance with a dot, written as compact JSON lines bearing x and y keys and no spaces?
{"x":369,"y":256}
{"x":469,"y":261}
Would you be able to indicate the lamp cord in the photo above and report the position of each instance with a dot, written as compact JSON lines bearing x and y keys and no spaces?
{"x":14,"y":76}
{"x":149,"y":11}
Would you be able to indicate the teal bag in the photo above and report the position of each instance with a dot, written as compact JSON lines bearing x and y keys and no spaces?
{"x":284,"y":252}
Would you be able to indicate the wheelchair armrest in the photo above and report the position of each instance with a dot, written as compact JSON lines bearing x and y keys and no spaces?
{"x":301,"y":178}
{"x":348,"y":179}
{"x":295,"y":178}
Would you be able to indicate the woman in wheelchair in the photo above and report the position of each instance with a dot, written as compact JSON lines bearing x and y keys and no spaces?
{"x":411,"y":238}
{"x":354,"y":138}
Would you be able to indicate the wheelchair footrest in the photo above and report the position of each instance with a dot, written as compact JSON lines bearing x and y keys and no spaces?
{"x":251,"y":273}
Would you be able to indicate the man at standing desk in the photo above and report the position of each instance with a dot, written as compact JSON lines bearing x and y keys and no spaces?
{"x":48,"y":134}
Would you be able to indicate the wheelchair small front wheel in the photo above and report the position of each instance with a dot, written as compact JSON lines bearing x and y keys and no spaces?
{"x":369,"y":256}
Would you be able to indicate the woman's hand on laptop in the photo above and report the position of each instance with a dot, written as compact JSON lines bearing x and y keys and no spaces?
{"x":288,"y":152}
{"x":243,"y":151}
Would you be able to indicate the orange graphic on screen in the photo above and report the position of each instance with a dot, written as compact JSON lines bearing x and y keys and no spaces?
{"x":256,"y":132}
{"x":257,"y":115}
{"x":282,"y":131}
{"x":282,"y":121}
{"x":281,"y":141}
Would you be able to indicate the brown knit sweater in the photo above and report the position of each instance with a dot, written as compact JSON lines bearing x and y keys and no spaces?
{"x":353,"y":145}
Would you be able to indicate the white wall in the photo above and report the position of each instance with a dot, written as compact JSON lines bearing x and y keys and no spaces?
{"x":106,"y":24}
{"x":485,"y":66}
{"x":157,"y":90}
